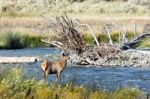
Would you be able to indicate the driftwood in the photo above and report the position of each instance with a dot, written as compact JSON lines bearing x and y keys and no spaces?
{"x":18,"y":59}
{"x":134,"y":43}
{"x":69,"y":38}
{"x":93,"y":34}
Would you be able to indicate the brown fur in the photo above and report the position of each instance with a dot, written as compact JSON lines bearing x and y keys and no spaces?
{"x":54,"y":67}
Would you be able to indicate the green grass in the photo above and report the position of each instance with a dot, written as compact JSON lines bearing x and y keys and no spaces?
{"x":17,"y":40}
{"x":33,"y":41}
{"x":14,"y":84}
{"x":145,"y":43}
{"x":103,"y":38}
{"x":88,"y":38}
{"x":12,"y":41}
{"x":130,"y":35}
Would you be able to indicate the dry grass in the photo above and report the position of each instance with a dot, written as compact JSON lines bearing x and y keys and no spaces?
{"x":42,"y":27}
{"x":77,"y":7}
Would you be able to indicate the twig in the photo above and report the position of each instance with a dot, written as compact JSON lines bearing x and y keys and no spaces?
{"x":109,"y":36}
{"x":55,"y":43}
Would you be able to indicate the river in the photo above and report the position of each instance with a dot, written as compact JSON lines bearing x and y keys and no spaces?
{"x":105,"y":78}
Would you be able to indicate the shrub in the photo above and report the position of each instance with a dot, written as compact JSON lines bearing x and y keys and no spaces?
{"x":13,"y":41}
{"x":88,"y":38}
{"x":17,"y":41}
{"x":31,"y":41}
{"x":102,"y":38}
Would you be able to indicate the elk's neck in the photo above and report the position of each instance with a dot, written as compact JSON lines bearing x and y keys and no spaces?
{"x":63,"y":63}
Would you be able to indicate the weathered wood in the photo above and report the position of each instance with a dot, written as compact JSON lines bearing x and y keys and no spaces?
{"x":93,"y":34}
{"x":55,"y":43}
{"x":109,"y":36}
{"x":134,"y":43}
{"x":18,"y":59}
{"x":102,"y":54}
{"x":68,"y":35}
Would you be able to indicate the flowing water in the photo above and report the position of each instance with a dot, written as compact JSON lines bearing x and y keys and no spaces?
{"x":108,"y":78}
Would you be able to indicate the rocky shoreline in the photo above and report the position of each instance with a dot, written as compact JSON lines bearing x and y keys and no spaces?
{"x":126,"y":58}
{"x":135,"y":58}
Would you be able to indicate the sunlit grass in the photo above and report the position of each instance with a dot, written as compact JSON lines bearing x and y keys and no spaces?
{"x":14,"y":84}
{"x":145,"y":43}
{"x":12,"y":40}
{"x":103,"y":38}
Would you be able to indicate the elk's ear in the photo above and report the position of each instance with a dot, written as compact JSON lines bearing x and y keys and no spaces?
{"x":44,"y":65}
{"x":63,"y":54}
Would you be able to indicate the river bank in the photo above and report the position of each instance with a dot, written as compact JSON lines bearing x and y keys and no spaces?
{"x":97,"y":76}
{"x":135,"y":58}
{"x":132,"y":58}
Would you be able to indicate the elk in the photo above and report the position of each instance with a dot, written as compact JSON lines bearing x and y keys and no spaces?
{"x":54,"y":67}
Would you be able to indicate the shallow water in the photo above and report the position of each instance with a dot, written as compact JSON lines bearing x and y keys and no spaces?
{"x":93,"y":77}
{"x":29,"y":52}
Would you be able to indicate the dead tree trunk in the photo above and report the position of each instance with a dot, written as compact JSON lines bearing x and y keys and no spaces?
{"x":134,"y":43}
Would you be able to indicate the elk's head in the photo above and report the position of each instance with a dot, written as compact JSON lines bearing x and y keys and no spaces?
{"x":65,"y":55}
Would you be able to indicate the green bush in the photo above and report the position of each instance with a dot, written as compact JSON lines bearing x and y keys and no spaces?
{"x":33,"y":41}
{"x":130,"y":35}
{"x":13,"y":41}
{"x":115,"y":37}
{"x":102,"y":38}
{"x":17,"y":41}
{"x":88,"y":38}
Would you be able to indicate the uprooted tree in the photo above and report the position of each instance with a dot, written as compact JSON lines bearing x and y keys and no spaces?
{"x":69,"y":38}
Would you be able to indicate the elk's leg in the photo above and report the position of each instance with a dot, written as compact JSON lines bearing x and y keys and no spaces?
{"x":45,"y":75}
{"x":58,"y":76}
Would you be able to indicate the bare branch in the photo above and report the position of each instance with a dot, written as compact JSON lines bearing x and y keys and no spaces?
{"x":55,"y":43}
{"x":109,"y":36}
{"x":93,"y":34}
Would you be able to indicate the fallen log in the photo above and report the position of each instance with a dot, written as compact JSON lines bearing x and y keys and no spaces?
{"x":18,"y":59}
{"x":134,"y":43}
